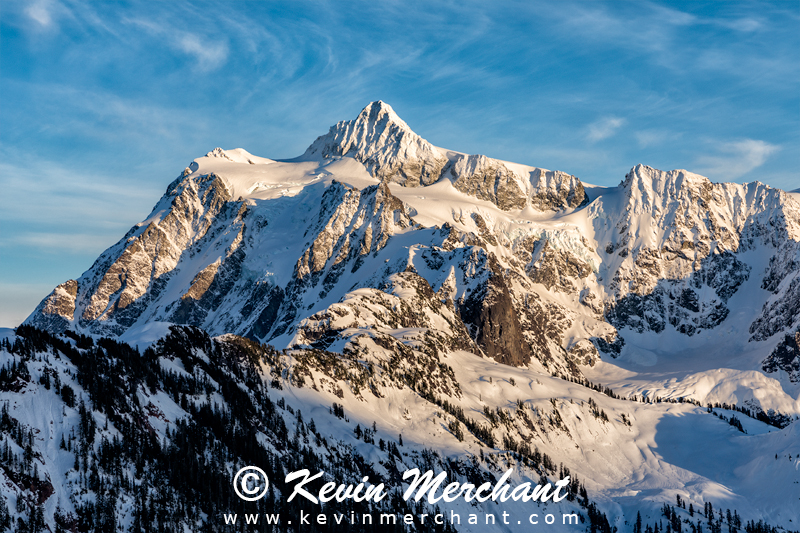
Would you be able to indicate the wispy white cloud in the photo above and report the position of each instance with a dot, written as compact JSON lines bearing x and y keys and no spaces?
{"x":604,"y":128}
{"x":735,"y":159}
{"x":41,"y":13}
{"x":666,"y":35}
{"x":60,"y":243}
{"x":74,"y":212}
{"x":98,"y":114}
{"x":648,"y":138}
{"x":646,"y":28}
{"x":654,"y":137}
{"x":742,"y":24}
{"x":49,"y":16}
{"x":209,"y":53}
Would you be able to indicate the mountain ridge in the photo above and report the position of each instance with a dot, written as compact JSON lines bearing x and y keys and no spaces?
{"x":555,"y":282}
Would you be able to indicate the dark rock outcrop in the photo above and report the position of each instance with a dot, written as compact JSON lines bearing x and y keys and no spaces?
{"x":786,"y":357}
{"x":490,"y":315}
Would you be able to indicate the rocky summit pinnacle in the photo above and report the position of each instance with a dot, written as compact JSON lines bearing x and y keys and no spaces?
{"x":385,"y":145}
{"x":390,"y":150}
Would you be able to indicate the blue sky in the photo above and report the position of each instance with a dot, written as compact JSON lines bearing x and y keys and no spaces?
{"x":103,"y":104}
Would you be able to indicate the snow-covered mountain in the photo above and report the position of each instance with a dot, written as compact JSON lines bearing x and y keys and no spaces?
{"x":523,"y":263}
{"x":378,"y":246}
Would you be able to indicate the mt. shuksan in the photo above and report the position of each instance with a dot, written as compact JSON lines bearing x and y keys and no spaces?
{"x":377,"y":245}
{"x":534,"y":271}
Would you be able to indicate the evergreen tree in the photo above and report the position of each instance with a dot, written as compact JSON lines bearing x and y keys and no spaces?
{"x":5,"y":517}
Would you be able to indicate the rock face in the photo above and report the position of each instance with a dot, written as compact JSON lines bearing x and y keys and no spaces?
{"x":386,"y":146}
{"x":369,"y":237}
{"x":150,"y":252}
{"x":678,"y":302}
{"x":786,"y":357}
{"x":490,"y":314}
{"x":556,"y":190}
{"x":487,"y":179}
{"x":673,"y":255}
{"x":57,"y":310}
{"x":555,"y":269}
{"x":782,"y":280}
{"x":491,"y":180}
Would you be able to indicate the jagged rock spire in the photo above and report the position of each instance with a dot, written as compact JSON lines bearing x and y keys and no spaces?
{"x":384,"y":143}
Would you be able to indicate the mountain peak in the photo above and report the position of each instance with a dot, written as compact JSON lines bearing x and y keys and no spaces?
{"x":383,"y":112}
{"x":384,"y":144}
{"x":379,"y":116}
{"x":648,"y":182}
{"x":218,"y":152}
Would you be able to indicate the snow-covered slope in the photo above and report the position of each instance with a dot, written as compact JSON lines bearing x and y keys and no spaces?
{"x":180,"y":419}
{"x":666,"y":286}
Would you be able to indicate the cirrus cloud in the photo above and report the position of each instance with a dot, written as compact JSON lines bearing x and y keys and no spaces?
{"x":604,"y":128}
{"x":736,"y":158}
{"x":209,"y":54}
